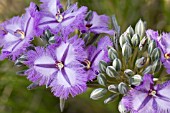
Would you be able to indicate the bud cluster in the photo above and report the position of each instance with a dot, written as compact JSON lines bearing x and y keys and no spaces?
{"x":135,"y":56}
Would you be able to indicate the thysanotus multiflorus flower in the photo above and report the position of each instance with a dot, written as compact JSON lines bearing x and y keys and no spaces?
{"x":55,"y":19}
{"x":148,"y":98}
{"x":18,"y":32}
{"x":59,"y":67}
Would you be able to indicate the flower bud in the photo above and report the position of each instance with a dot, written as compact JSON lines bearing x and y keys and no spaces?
{"x":156,"y":54}
{"x":156,"y":66}
{"x":110,"y":99}
{"x":21,"y":72}
{"x":112,"y":53}
{"x":62,"y":104}
{"x":143,"y":44}
{"x":140,"y":28}
{"x":135,"y":40}
{"x":101,"y":79}
{"x":136,"y":80}
{"x":112,"y":88}
{"x":123,"y":39}
{"x":117,"y":64}
{"x":130,"y":31}
{"x":111,"y":72}
{"x":122,"y":88}
{"x":140,"y":62}
{"x":151,"y":47}
{"x":126,"y":50}
{"x":98,"y":93}
{"x":102,"y":66}
{"x":147,"y":70}
{"x":128,"y":73}
{"x":51,"y":40}
{"x":33,"y":86}
{"x":122,"y":108}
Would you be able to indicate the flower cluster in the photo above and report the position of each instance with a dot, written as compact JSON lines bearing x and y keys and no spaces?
{"x":80,"y":49}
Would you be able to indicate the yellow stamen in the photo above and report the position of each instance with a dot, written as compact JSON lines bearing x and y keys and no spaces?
{"x":21,"y":33}
{"x":153,"y":93}
{"x":167,"y":56}
{"x":59,"y":65}
{"x":88,"y":64}
{"x":59,"y":17}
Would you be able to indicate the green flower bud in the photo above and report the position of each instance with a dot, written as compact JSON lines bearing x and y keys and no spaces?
{"x":140,"y":28}
{"x":122,"y":108}
{"x":140,"y":62}
{"x":101,"y":79}
{"x":143,"y":44}
{"x":156,"y":54}
{"x":51,"y":40}
{"x":111,"y":72}
{"x":98,"y":93}
{"x":126,"y":50}
{"x":136,"y":80}
{"x":102,"y":66}
{"x":110,"y":99}
{"x":156,"y":66}
{"x":130,"y":31}
{"x":123,"y":39}
{"x":62,"y":104}
{"x":112,"y":88}
{"x":117,"y":64}
{"x":122,"y":88}
{"x":128,"y":73}
{"x":147,"y":70}
{"x":135,"y":40}
{"x":112,"y":53}
{"x":151,"y":47}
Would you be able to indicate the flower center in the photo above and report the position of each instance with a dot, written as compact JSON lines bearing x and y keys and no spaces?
{"x":59,"y":17}
{"x":88,"y":26}
{"x":152,"y":92}
{"x":167,"y":56}
{"x":21,"y":33}
{"x":88,"y":64}
{"x":59,"y":65}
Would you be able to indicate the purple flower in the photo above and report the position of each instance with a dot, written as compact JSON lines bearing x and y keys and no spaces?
{"x":59,"y":67}
{"x":97,"y":24}
{"x":55,"y":19}
{"x":147,"y":98}
{"x":95,"y":55}
{"x":17,"y":33}
{"x":164,"y":44}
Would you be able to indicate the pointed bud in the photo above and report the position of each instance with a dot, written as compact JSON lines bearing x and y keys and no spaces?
{"x":128,"y":73}
{"x":151,"y":47}
{"x":21,"y":72}
{"x":111,"y":72}
{"x":117,"y":64}
{"x":112,"y":88}
{"x":102,"y":66}
{"x":156,"y":54}
{"x":101,"y":79}
{"x":62,"y":104}
{"x":110,"y":99}
{"x":112,"y":53}
{"x":136,"y":80}
{"x":140,"y":62}
{"x":147,"y":70}
{"x":140,"y":28}
{"x":135,"y":40}
{"x":122,"y":108}
{"x":122,"y":88}
{"x":51,"y":40}
{"x":33,"y":86}
{"x":143,"y":44}
{"x":156,"y":66}
{"x":22,"y":58}
{"x":98,"y":93}
{"x":126,"y":50}
{"x":19,"y":63}
{"x":130,"y":31}
{"x":123,"y":39}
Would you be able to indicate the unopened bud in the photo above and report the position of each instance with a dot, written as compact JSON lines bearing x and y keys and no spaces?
{"x":62,"y":104}
{"x":123,"y":39}
{"x":113,"y":88}
{"x":130,"y":31}
{"x":98,"y":93}
{"x":128,"y":73}
{"x":156,"y":54}
{"x":112,"y":53}
{"x":122,"y":88}
{"x":101,"y":79}
{"x":151,"y":47}
{"x":156,"y":66}
{"x":102,"y":66}
{"x":51,"y":40}
{"x":110,"y":70}
{"x":140,"y":28}
{"x":117,"y":64}
{"x":135,"y":40}
{"x":110,"y":99}
{"x":126,"y":50}
{"x":122,"y":108}
{"x":140,"y":62}
{"x":147,"y":70}
{"x":143,"y":44}
{"x":136,"y":80}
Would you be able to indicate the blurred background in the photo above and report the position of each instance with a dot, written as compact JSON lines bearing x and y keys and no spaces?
{"x":14,"y":96}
